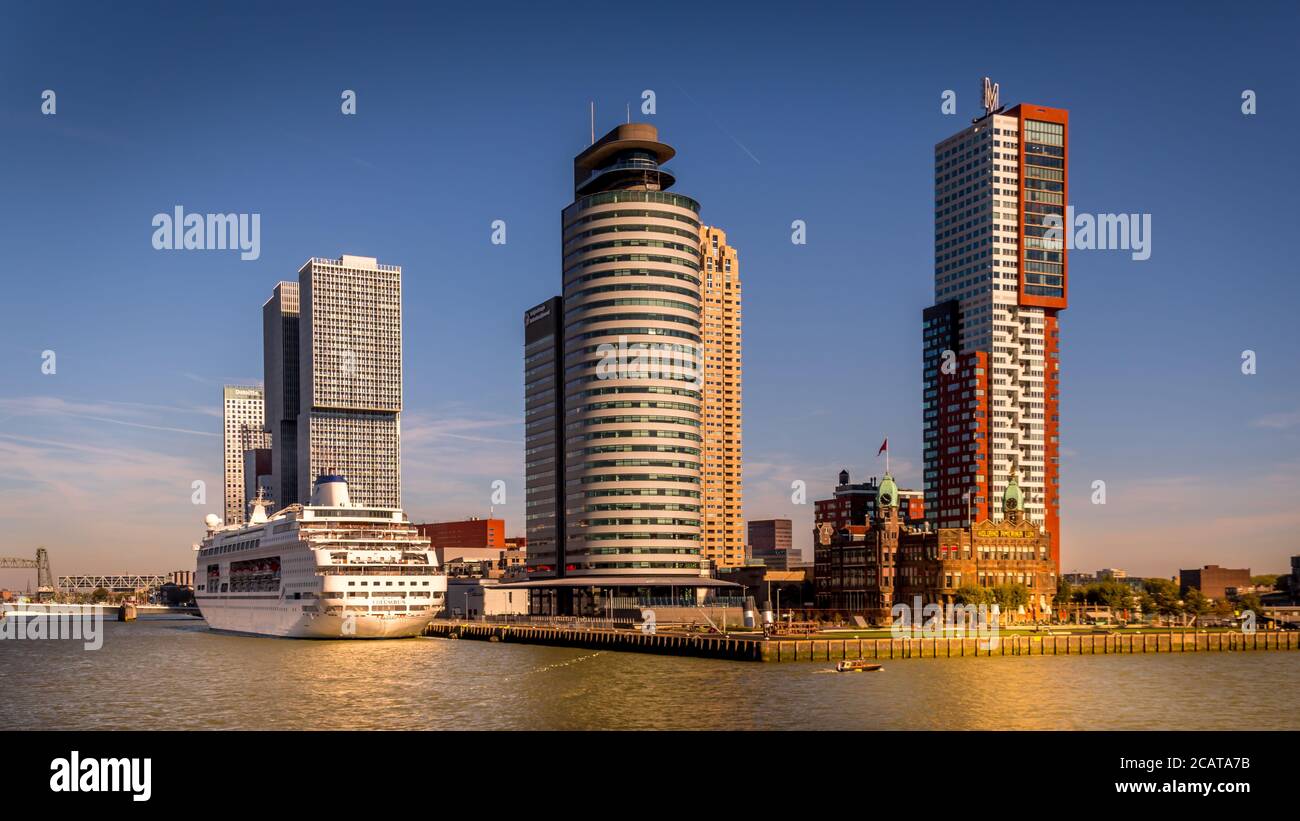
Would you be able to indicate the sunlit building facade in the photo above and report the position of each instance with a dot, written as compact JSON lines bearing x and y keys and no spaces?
{"x":350,"y":373}
{"x":992,"y":338}
{"x":632,"y":341}
{"x":242,"y":423}
{"x":280,"y":329}
{"x":722,"y":535}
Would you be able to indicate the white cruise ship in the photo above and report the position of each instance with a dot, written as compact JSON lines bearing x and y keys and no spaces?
{"x":328,"y":569}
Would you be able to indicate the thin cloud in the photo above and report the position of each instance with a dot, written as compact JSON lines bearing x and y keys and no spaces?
{"x":717,"y":124}
{"x":213,"y":410}
{"x":144,"y":426}
{"x":96,"y":411}
{"x":1278,"y":421}
{"x":421,"y":428}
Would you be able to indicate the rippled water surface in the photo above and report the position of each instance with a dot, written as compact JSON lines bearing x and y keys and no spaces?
{"x":176,"y":674}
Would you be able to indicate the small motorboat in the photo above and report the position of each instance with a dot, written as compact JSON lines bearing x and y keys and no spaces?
{"x":858,"y":666}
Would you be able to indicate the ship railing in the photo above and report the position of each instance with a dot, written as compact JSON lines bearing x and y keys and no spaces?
{"x":378,"y":570}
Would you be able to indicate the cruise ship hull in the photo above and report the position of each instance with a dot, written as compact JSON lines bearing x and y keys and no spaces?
{"x":285,"y":620}
{"x":325,"y":570}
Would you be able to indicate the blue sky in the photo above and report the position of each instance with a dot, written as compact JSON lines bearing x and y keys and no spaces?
{"x":470,"y":113}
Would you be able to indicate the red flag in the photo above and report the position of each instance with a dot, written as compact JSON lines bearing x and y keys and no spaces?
{"x":884,"y":446}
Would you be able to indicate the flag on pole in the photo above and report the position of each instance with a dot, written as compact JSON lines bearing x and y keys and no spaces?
{"x":884,"y":446}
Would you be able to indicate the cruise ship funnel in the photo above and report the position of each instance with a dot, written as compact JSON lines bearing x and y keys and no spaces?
{"x":331,"y":491}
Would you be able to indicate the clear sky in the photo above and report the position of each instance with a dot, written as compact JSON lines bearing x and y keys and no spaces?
{"x":469,"y":113}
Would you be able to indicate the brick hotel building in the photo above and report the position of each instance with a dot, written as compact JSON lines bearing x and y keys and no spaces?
{"x":855,"y":503}
{"x":868,"y":567}
{"x":992,"y":338}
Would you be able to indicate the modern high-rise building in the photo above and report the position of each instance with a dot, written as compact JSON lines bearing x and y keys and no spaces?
{"x":544,"y":438}
{"x":350,"y":377}
{"x":992,"y":339}
{"x":280,"y":317}
{"x":614,"y":384}
{"x":722,"y":536}
{"x":258,"y":475}
{"x":632,"y":347}
{"x":242,"y":429}
{"x":772,"y":542}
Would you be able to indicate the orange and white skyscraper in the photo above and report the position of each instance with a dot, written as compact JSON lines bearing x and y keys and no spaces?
{"x":722,"y":530}
{"x":992,"y":338}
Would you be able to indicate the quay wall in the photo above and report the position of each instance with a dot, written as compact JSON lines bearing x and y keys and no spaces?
{"x":833,"y":649}
{"x":674,"y":644}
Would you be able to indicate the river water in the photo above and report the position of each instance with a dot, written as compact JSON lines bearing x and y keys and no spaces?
{"x":176,"y":674}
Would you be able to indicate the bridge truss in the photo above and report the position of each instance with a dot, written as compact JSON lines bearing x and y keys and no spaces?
{"x":41,"y":564}
{"x":122,"y":583}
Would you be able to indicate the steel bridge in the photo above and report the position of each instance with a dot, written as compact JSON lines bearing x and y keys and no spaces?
{"x":118,"y":583}
{"x":41,"y":564}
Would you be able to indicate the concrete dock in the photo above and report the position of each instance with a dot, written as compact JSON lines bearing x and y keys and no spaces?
{"x":829,"y":648}
{"x":673,"y":644}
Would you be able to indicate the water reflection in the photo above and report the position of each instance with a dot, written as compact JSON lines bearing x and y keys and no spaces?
{"x":175,"y":674}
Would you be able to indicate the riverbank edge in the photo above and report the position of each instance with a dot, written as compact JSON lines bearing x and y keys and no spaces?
{"x":816,"y":649}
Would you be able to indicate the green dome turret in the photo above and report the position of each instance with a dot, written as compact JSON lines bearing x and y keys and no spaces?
{"x":887,"y":495}
{"x":1012,"y":498}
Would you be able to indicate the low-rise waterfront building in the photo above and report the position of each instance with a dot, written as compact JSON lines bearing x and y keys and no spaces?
{"x":1287,"y":588}
{"x":475,"y":567}
{"x":1213,"y":581}
{"x":472,"y":532}
{"x":790,"y":587}
{"x":1109,"y":574}
{"x":472,"y":597}
{"x":514,"y":559}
